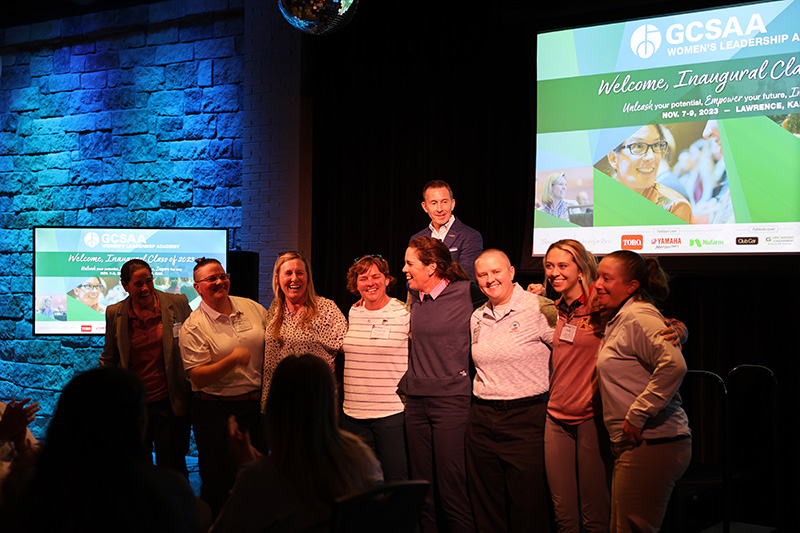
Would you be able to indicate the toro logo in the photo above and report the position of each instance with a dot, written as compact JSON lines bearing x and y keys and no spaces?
{"x":86,"y":328}
{"x":632,"y":242}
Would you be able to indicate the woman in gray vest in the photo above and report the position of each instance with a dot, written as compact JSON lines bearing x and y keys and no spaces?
{"x":437,"y":384}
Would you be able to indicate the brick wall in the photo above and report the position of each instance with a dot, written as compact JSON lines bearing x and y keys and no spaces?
{"x":276,"y":184}
{"x":137,"y":117}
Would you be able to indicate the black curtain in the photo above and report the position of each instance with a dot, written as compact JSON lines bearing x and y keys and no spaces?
{"x":404,"y":95}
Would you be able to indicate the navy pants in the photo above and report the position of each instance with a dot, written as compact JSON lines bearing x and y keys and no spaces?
{"x":435,"y":426}
{"x":505,"y":462}
{"x":387,"y":438}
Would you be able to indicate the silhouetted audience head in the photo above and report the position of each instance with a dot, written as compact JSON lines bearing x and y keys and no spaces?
{"x":103,"y":409}
{"x":316,"y":458}
{"x":94,"y":473}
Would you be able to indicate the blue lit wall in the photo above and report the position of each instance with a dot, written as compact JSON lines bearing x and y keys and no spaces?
{"x":131,"y":117}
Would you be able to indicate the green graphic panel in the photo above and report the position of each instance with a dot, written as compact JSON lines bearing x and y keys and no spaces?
{"x":764,"y":166}
{"x":617,"y":205}
{"x":664,"y":95}
{"x":78,"y":264}
{"x":77,"y":311}
{"x":543,"y":220}
{"x":556,"y":56}
{"x":572,"y":148}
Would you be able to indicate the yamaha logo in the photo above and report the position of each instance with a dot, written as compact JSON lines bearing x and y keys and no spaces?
{"x":645,"y":41}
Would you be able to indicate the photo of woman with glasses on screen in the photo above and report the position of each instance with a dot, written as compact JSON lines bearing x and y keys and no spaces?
{"x":636,"y":162}
{"x":90,"y":292}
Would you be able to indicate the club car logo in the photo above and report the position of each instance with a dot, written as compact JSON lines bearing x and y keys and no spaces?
{"x":632,"y":242}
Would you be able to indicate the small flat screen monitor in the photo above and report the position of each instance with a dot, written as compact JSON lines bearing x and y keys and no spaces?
{"x":76,"y":270}
{"x":677,"y":134}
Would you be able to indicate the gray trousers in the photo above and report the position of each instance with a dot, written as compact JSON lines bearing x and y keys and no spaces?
{"x":577,"y":461}
{"x":643,"y":480}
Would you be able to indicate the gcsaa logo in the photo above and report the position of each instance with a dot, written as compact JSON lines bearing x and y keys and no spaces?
{"x":645,"y":41}
{"x":91,"y":239}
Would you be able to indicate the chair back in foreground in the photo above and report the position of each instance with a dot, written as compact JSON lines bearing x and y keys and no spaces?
{"x":390,"y":508}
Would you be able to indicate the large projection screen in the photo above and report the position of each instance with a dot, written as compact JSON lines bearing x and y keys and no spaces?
{"x":76,"y":270}
{"x":711,"y":97}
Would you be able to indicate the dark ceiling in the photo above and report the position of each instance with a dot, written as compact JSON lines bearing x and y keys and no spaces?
{"x":18,"y":12}
{"x":554,"y":14}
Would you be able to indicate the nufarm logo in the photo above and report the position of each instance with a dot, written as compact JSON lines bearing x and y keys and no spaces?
{"x":645,"y":41}
{"x":700,"y":36}
{"x":632,"y":242}
{"x":705,"y":242}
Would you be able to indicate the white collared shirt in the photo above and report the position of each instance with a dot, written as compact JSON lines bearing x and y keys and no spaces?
{"x":442,"y":232}
{"x":208,"y":336}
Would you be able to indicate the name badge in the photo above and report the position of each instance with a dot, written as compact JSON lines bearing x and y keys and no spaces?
{"x":176,"y":328}
{"x":568,"y":333}
{"x":240,"y":323}
{"x":380,"y":331}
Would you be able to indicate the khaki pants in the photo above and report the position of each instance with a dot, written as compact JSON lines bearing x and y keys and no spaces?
{"x":577,"y":458}
{"x":642,"y":482}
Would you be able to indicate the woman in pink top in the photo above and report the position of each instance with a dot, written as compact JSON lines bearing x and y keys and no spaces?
{"x":576,"y":444}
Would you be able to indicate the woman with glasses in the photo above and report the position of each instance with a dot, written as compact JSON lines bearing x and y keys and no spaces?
{"x":89,"y":293}
{"x":375,"y":359}
{"x":142,"y":336}
{"x":299,"y":321}
{"x":636,"y":162}
{"x":222,"y":345}
{"x":554,"y":197}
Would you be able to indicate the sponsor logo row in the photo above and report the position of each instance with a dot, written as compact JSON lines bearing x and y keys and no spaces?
{"x":636,"y":242}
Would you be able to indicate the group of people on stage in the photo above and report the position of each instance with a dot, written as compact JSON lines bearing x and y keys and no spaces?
{"x":489,"y":391}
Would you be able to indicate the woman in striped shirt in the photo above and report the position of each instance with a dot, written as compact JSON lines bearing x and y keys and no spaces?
{"x":376,"y":357}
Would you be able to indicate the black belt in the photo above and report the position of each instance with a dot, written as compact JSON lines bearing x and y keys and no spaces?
{"x":665,"y":440}
{"x":505,"y":405}
{"x":252,"y":395}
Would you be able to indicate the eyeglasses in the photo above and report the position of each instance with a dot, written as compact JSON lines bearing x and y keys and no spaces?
{"x":360,"y":257}
{"x":213,"y":279}
{"x":88,"y":287}
{"x":640,"y":148}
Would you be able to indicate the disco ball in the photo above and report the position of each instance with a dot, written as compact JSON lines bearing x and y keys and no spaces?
{"x":318,"y":17}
